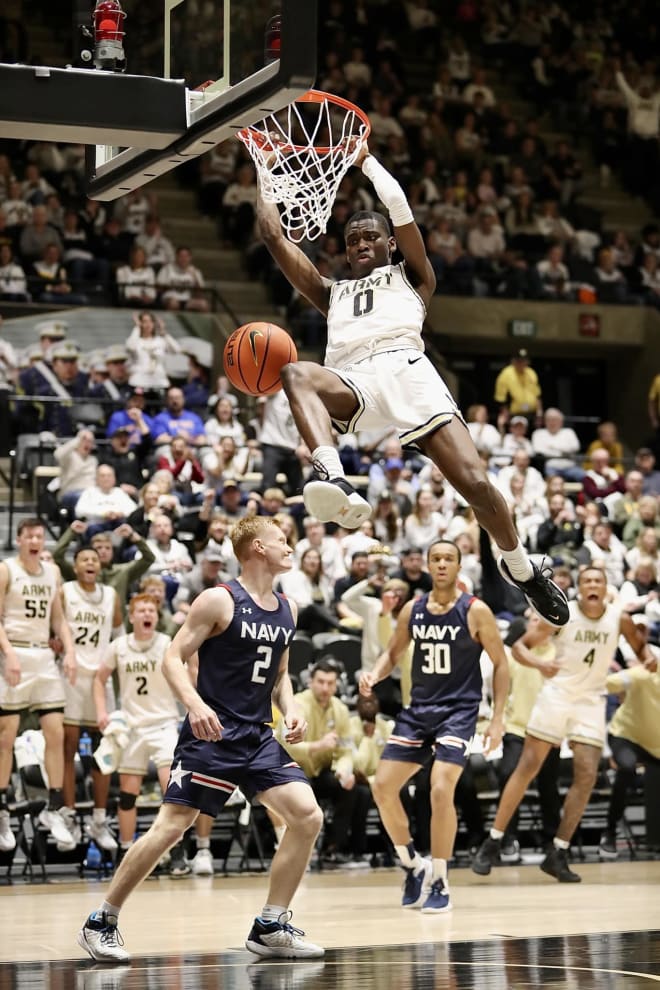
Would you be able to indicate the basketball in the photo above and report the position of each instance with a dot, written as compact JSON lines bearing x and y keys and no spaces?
{"x":255,"y":354}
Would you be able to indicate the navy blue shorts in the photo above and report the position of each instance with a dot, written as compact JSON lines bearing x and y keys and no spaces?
{"x":205,"y":774}
{"x":420,"y":731}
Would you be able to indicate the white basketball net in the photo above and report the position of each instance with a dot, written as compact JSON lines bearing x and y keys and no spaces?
{"x":302,"y":154}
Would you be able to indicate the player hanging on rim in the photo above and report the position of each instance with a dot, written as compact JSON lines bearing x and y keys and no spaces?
{"x":376,"y":373}
{"x":239,"y":634}
{"x":449,"y":630}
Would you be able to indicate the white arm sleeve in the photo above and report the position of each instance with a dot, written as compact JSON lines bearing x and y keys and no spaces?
{"x":389,"y":192}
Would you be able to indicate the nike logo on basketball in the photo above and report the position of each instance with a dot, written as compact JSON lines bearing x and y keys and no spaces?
{"x":415,"y":360}
{"x":252,"y":336}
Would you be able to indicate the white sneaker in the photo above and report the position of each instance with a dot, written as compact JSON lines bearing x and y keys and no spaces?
{"x":71,"y":821}
{"x":336,"y":501}
{"x":101,"y":835}
{"x":7,"y":837}
{"x":102,"y":940}
{"x":55,"y":822}
{"x":202,"y":864}
{"x":280,"y":939}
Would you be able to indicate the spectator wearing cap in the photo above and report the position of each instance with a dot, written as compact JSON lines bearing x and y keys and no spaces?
{"x":231,"y":500}
{"x":517,"y":390}
{"x":133,"y":417}
{"x":77,"y":463}
{"x":128,"y":462}
{"x":51,"y":332}
{"x":316,"y":538}
{"x":147,"y":344}
{"x":412,"y":571}
{"x":61,"y":380}
{"x":645,"y":463}
{"x":218,"y":543}
{"x":273,"y":502}
{"x":207,"y":573}
{"x":104,"y":505}
{"x":514,"y":439}
{"x":177,"y":421}
{"x":115,"y":389}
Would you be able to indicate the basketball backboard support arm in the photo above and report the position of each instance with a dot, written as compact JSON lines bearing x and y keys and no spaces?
{"x":215,"y":116}
{"x":38,"y":103}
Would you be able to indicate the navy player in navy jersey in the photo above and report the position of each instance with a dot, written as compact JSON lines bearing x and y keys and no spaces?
{"x":449,"y":630}
{"x":236,"y":637}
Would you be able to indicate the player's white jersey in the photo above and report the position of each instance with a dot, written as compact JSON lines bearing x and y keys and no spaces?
{"x":89,"y":615}
{"x":585,"y":648}
{"x":28,"y":601}
{"x":380,"y":312}
{"x":144,"y":694}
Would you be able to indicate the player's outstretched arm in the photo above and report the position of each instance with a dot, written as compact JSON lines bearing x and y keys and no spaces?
{"x":408,"y":235}
{"x":389,"y":658}
{"x":521,"y":651}
{"x":295,"y":264}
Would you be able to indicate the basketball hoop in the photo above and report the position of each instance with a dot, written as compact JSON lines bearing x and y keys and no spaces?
{"x":302,"y":154}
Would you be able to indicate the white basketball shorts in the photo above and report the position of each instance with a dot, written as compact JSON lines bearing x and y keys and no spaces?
{"x":41,"y":687}
{"x":556,"y":716}
{"x":80,"y":708}
{"x":153,"y":742}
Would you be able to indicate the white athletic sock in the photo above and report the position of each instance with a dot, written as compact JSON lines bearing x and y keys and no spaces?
{"x":495,"y":833}
{"x":98,"y":816}
{"x":440,"y":870}
{"x":272,"y":912}
{"x":203,"y":843}
{"x":409,"y":857}
{"x":560,"y":843}
{"x":111,"y":912}
{"x":325,"y":460}
{"x":518,"y":562}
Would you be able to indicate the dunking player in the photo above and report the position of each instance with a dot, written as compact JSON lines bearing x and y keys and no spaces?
{"x":93,"y":612}
{"x":377,"y":374}
{"x":571,"y":705}
{"x":449,"y":629}
{"x":30,"y":607}
{"x":241,"y":632}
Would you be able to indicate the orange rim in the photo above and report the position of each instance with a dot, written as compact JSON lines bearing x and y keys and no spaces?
{"x":311,"y":96}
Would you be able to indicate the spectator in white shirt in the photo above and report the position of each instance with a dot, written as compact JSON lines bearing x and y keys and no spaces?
{"x":479,"y":85}
{"x":136,"y":281}
{"x":558,"y":445}
{"x":78,"y":467}
{"x":485,"y":436}
{"x":104,"y":505}
{"x":331,"y":554}
{"x":13,"y":282}
{"x":171,"y":556}
{"x":158,"y":249}
{"x":533,"y":483}
{"x":181,"y":282}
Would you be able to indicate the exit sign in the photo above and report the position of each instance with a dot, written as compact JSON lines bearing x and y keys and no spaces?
{"x":522,"y":328}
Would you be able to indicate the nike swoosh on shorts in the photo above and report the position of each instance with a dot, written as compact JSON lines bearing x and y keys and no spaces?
{"x":415,"y":360}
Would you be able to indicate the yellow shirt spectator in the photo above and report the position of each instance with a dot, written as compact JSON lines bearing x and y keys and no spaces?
{"x":638,"y":717}
{"x":517,"y":387}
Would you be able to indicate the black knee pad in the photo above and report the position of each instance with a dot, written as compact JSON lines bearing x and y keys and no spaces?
{"x":126,"y":800}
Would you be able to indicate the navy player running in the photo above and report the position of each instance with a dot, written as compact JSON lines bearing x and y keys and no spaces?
{"x":237,"y":635}
{"x":449,"y":630}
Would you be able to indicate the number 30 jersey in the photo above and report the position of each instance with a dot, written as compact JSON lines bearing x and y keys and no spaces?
{"x":144,"y":694}
{"x":585,"y":649}
{"x":445,"y":662}
{"x":239,"y":667}
{"x":89,"y":616}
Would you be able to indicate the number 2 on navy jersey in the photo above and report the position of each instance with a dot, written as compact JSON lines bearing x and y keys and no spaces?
{"x":259,"y":665}
{"x":438,"y":658}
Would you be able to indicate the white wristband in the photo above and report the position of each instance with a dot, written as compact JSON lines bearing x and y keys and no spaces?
{"x":389,"y":192}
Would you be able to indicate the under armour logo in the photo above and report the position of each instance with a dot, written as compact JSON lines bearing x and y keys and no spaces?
{"x":246,"y":611}
{"x":419,"y":615}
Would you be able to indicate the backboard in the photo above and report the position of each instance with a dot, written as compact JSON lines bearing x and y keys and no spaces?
{"x":142,"y":122}
{"x":227,"y":42}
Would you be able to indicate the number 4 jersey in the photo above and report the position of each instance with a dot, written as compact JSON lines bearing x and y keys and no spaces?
{"x":445,"y":662}
{"x":585,"y":648}
{"x":89,"y":615}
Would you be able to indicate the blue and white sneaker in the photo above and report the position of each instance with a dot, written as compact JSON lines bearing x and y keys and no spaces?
{"x":280,"y":939}
{"x":100,"y":937}
{"x":438,"y":899}
{"x":417,"y":884}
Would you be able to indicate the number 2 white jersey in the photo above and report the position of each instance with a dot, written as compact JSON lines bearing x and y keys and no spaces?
{"x":144,"y":694}
{"x":585,"y":648}
{"x":381,"y":312}
{"x":89,"y":615}
{"x":28,"y":602}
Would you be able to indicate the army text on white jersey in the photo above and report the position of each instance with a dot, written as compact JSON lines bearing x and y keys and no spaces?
{"x":28,"y":602}
{"x":585,"y":648}
{"x":144,"y":694}
{"x":380,"y":312}
{"x":89,"y":615}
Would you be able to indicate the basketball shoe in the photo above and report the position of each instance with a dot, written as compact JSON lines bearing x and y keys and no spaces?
{"x":416,"y":885}
{"x":556,"y":865}
{"x":279,"y":938}
{"x":100,"y":937}
{"x":56,"y":824}
{"x":607,"y":849}
{"x":7,"y":837}
{"x":510,"y":851}
{"x":101,"y":834}
{"x":438,"y":899}
{"x":541,"y":593}
{"x":336,"y":501}
{"x":202,"y":864}
{"x":488,"y":855}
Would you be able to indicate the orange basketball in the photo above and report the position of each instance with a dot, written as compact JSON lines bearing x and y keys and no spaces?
{"x":255,"y":354}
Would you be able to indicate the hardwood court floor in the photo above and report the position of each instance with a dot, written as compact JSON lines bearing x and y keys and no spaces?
{"x":515,"y":929}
